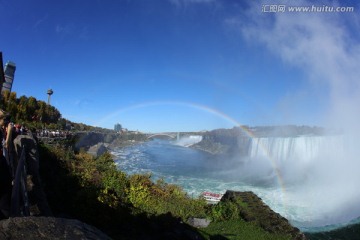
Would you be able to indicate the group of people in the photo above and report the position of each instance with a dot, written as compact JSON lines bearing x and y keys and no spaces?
{"x":10,"y":151}
{"x":19,"y":148}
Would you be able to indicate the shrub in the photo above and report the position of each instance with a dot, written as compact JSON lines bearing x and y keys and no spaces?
{"x":225,"y":211}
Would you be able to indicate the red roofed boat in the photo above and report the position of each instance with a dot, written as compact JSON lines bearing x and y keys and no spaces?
{"x":212,"y":197}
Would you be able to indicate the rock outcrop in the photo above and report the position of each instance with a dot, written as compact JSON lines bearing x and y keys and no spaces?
{"x":94,"y":142}
{"x":253,"y":209}
{"x":97,"y":149}
{"x":86,"y":140}
{"x":199,"y":222}
{"x":224,"y":142}
{"x":47,"y":228}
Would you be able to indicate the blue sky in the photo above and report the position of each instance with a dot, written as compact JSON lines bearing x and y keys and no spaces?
{"x":185,"y":65}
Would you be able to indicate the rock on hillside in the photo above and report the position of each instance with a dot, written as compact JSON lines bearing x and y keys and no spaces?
{"x":47,"y":228}
{"x":253,"y":209}
{"x":224,"y":142}
{"x":97,"y":149}
{"x":86,"y":140}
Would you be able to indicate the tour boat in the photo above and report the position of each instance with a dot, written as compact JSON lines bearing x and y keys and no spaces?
{"x":212,"y":197}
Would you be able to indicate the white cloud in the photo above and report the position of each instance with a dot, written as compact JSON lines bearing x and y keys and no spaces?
{"x":40,"y":21}
{"x":71,"y":30}
{"x":64,"y":29}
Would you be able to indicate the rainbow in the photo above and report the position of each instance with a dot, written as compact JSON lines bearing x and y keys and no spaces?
{"x":217,"y":113}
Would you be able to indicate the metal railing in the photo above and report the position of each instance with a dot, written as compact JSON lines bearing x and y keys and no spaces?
{"x":19,"y":196}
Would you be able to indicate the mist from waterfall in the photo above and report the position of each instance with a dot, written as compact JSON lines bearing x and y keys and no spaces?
{"x":317,"y":172}
{"x":312,"y":171}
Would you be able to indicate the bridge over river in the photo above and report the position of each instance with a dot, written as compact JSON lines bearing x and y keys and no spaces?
{"x":173,"y":135}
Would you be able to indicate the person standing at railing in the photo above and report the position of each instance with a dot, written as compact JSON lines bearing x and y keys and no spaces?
{"x":5,"y":169}
{"x":9,"y":134}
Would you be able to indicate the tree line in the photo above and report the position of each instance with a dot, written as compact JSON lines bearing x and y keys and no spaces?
{"x":37,"y":114}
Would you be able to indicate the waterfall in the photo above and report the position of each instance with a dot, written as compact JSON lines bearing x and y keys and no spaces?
{"x":188,"y":140}
{"x":303,"y":148}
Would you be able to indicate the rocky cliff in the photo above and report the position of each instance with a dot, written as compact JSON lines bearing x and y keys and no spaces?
{"x":47,"y":228}
{"x":96,"y":143}
{"x":224,"y":142}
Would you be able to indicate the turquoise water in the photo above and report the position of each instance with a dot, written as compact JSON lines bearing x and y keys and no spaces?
{"x":197,"y":171}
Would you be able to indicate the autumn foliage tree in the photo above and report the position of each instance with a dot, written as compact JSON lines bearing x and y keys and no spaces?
{"x":29,"y":110}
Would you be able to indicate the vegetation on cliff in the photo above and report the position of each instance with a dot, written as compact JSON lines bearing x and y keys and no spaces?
{"x":94,"y":191}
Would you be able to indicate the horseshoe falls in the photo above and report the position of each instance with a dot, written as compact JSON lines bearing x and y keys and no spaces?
{"x":310,"y":180}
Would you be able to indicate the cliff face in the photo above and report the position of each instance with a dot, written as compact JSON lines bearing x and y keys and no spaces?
{"x":97,"y":143}
{"x":224,"y":142}
{"x":86,"y":140}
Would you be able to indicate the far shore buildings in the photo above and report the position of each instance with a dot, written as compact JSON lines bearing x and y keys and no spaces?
{"x":118,"y":127}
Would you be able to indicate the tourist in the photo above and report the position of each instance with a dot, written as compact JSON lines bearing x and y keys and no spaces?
{"x":5,"y":172}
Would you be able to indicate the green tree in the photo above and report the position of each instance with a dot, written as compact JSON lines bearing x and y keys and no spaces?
{"x":22,"y":108}
{"x":31,"y":108}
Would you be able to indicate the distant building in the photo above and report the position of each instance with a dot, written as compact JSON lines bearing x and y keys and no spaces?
{"x":9,"y":73}
{"x":2,"y":77}
{"x":118,"y":127}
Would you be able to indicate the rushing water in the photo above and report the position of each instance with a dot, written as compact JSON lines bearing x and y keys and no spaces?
{"x":293,"y":189}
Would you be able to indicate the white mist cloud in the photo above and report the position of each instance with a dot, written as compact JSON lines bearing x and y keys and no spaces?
{"x":322,"y":45}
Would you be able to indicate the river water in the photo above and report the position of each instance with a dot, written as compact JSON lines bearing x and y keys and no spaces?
{"x":296,"y":198}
